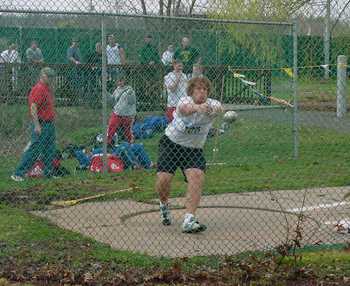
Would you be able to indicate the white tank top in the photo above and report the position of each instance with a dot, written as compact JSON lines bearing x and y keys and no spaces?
{"x":113,"y":55}
{"x":191,"y":130}
{"x":174,"y":96}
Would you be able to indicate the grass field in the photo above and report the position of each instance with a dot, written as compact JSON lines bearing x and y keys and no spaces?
{"x":259,"y":147}
{"x":257,"y":152}
{"x":313,"y":94}
{"x":43,"y":252}
{"x":251,"y":148}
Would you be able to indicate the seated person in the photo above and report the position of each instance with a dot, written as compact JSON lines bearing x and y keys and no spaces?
{"x":132,"y":155}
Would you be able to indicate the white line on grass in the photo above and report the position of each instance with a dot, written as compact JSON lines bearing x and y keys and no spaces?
{"x":320,"y":206}
{"x":334,"y":222}
{"x":216,"y":164}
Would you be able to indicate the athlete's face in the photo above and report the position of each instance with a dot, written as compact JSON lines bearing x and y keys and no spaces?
{"x":178,"y":67}
{"x":200,"y":94}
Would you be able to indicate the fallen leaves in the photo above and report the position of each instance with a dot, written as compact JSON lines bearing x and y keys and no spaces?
{"x":64,"y":269}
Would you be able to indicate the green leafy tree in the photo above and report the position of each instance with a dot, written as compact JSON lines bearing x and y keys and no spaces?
{"x":256,"y":44}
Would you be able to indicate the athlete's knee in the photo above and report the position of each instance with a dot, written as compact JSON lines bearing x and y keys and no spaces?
{"x":164,"y":179}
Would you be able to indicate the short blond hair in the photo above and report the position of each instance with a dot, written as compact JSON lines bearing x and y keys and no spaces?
{"x":198,"y":81}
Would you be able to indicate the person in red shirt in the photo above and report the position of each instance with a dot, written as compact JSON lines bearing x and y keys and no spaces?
{"x":42,"y":145}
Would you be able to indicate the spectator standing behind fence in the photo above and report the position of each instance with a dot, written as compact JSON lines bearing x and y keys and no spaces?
{"x":175,"y":83}
{"x":167,"y":58}
{"x":10,"y":56}
{"x":74,"y":71}
{"x":115,"y":56}
{"x":188,"y":55}
{"x":42,"y":144}
{"x":34,"y":59}
{"x":73,"y":53}
{"x":34,"y":54}
{"x":124,"y":110}
{"x":182,"y":147}
{"x":197,"y":72}
{"x":93,"y":72}
{"x":149,"y":58}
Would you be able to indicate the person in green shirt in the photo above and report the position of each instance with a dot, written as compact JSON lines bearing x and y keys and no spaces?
{"x":93,"y":71}
{"x":188,"y":55}
{"x":150,"y":61}
{"x":149,"y":54}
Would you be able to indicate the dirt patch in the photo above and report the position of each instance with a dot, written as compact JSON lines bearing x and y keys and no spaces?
{"x":317,"y":105}
{"x":236,"y":223}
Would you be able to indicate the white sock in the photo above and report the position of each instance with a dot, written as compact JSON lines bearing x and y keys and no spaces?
{"x":188,"y":217}
{"x":162,"y":204}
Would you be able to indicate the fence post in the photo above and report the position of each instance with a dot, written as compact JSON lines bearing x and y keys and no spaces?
{"x":326,"y":39}
{"x":295,"y":92}
{"x":341,"y":85}
{"x":104,"y":93}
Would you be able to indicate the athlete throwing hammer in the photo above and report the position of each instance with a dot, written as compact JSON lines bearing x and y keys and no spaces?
{"x":182,"y":146}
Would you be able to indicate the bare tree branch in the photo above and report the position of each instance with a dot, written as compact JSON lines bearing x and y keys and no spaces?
{"x":177,"y":8}
{"x":192,"y":7}
{"x":161,"y":7}
{"x":168,"y":8}
{"x":143,"y":5}
{"x":339,"y":15}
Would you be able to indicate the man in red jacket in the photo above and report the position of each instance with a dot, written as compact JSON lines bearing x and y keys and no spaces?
{"x":42,"y":113}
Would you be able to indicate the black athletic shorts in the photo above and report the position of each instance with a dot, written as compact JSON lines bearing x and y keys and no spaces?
{"x":172,"y":156}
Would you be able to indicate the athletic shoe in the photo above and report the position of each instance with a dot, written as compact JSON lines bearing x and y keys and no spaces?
{"x":17,"y":178}
{"x":193,"y":226}
{"x":165,"y":215}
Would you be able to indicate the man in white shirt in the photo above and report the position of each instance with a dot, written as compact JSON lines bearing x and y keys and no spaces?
{"x":115,"y":56}
{"x":168,"y":55}
{"x":167,"y":58}
{"x":176,"y":84}
{"x":10,"y":56}
{"x":197,"y":72}
{"x":182,"y":147}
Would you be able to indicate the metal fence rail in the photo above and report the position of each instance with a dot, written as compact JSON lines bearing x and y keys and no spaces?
{"x":116,"y":77}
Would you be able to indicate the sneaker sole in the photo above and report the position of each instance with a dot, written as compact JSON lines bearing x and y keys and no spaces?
{"x":197,"y":230}
{"x":166,"y":222}
{"x":17,"y":179}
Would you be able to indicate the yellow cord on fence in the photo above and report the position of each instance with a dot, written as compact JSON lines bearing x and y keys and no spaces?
{"x":287,"y":70}
{"x":237,"y":73}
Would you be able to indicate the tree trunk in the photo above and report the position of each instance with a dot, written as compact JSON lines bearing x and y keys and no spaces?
{"x":143,"y":5}
{"x":161,"y":7}
{"x":168,"y":8}
{"x":191,"y":7}
{"x":177,"y":8}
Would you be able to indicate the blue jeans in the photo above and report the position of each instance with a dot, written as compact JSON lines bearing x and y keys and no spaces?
{"x":41,"y":147}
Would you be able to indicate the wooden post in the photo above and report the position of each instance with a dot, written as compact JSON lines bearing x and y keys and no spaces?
{"x":341,"y":86}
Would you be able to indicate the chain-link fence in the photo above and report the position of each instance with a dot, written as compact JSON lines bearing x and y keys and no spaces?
{"x":112,"y":97}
